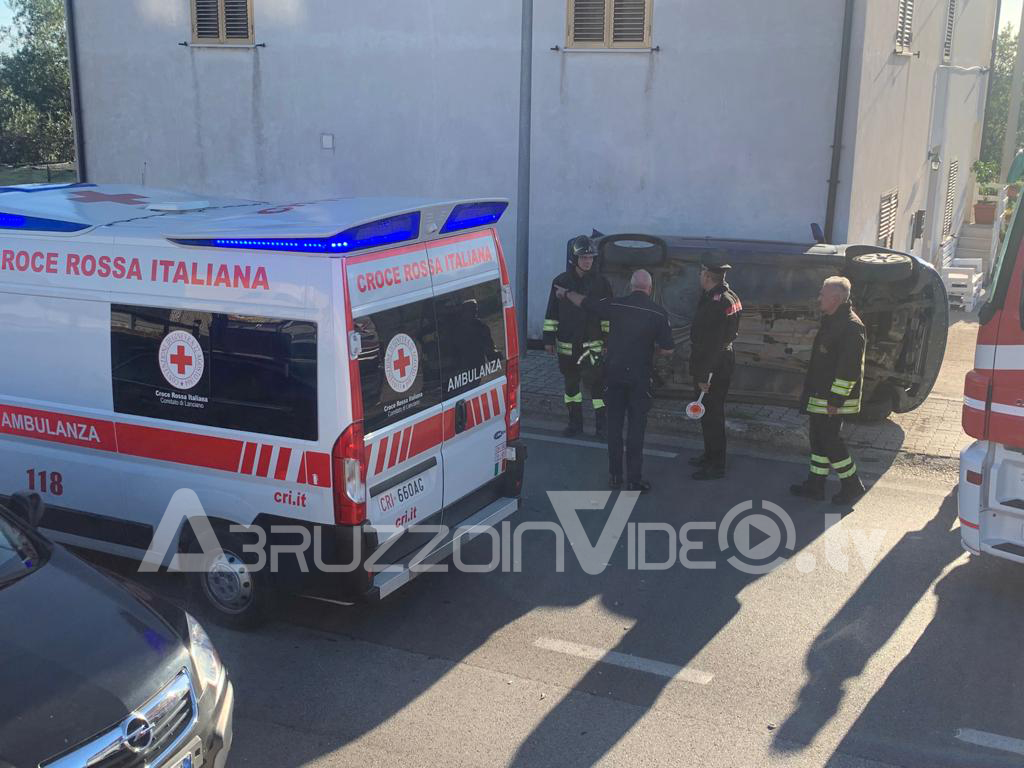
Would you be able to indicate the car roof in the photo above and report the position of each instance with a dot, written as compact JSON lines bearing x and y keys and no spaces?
{"x":127,"y":210}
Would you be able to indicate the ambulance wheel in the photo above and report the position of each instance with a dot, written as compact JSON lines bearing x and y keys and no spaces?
{"x":228,"y":589}
{"x":879,"y":267}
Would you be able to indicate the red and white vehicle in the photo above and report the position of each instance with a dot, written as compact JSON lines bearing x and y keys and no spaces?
{"x":991,"y":492}
{"x":348,"y":368}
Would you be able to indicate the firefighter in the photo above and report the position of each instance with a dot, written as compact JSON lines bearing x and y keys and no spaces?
{"x":577,"y":337}
{"x":832,"y":390}
{"x":715,"y":326}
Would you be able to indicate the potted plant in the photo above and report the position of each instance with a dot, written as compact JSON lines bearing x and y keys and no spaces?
{"x":985,"y":206}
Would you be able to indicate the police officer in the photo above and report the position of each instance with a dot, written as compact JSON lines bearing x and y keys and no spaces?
{"x":579,"y":337}
{"x":712,"y":360}
{"x":639,"y":326}
{"x":832,"y":390}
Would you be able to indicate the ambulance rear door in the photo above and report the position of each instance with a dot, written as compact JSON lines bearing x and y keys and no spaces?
{"x":395,"y":337}
{"x":471,"y":329}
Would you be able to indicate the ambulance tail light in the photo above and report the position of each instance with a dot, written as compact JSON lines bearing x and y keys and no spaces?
{"x":512,"y":398}
{"x":348,"y":461}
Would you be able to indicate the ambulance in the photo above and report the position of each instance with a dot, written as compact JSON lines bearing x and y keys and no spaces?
{"x":991,"y":490}
{"x":340,"y":378}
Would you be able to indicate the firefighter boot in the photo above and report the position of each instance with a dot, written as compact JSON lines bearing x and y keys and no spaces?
{"x":852,"y":489}
{"x":575,"y":425}
{"x":600,"y":428}
{"x":811,"y":488}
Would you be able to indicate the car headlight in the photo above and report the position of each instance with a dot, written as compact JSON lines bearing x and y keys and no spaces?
{"x":209,"y":669}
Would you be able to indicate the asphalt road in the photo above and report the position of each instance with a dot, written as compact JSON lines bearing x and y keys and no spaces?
{"x":875,"y":643}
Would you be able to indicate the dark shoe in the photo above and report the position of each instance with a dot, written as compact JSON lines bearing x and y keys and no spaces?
{"x":599,"y":423}
{"x":698,"y":461}
{"x":809,"y":490}
{"x":851,"y":491}
{"x":640,"y":485}
{"x":615,"y":482}
{"x":709,"y":473}
{"x":575,"y":425}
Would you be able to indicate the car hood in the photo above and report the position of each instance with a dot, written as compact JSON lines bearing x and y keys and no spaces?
{"x":78,"y":652}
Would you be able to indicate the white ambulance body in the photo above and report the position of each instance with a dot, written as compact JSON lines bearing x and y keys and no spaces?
{"x":346,"y":366}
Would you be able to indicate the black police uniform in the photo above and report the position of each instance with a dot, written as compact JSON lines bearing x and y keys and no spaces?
{"x":835,"y":377}
{"x":638,"y":323}
{"x":715,"y":326}
{"x":579,"y":339}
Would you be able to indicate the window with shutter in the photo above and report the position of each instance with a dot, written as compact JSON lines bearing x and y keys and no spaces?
{"x":887,"y":209}
{"x":222,"y":21}
{"x":905,"y":25}
{"x":609,"y":24}
{"x":951,"y":185}
{"x":947,"y":43}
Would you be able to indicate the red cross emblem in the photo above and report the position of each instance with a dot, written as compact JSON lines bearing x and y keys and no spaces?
{"x":401,"y":364}
{"x":92,"y":196}
{"x":181,"y":360}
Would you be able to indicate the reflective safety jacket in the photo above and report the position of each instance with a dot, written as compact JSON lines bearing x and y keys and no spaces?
{"x":571,"y":329}
{"x":836,"y":372}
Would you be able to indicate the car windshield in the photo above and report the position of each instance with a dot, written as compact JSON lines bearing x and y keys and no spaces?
{"x":19,"y":555}
{"x":1007,"y":252}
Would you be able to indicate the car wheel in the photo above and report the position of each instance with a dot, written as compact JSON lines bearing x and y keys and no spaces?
{"x":229,"y":590}
{"x":880,"y":267}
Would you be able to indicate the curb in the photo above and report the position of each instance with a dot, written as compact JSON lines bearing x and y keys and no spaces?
{"x":788,"y":437}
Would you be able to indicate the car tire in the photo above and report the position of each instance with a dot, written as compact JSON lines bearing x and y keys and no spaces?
{"x":227,"y":589}
{"x":879,"y":267}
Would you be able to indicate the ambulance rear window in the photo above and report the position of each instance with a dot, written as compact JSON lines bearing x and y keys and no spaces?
{"x":399,"y":370}
{"x":255,"y":374}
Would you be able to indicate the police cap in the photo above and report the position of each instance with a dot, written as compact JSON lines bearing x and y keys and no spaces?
{"x":715,"y":263}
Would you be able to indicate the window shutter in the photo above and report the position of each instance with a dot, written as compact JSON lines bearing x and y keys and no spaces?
{"x":588,"y":22}
{"x":207,"y":19}
{"x":905,"y":24}
{"x":236,"y":20}
{"x":630,"y":22}
{"x":887,"y":218}
{"x":947,"y":45}
{"x":951,"y":185}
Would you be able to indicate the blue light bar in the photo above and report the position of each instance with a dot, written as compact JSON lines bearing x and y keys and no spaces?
{"x":396,"y":229}
{"x":470,"y":215}
{"x":43,"y":188}
{"x":17,"y":221}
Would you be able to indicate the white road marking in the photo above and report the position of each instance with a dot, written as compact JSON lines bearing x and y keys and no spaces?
{"x":591,"y":444}
{"x":671,"y":671}
{"x":991,"y":740}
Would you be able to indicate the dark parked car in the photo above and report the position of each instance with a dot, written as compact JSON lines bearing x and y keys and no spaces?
{"x":97,"y":673}
{"x":901,"y":299}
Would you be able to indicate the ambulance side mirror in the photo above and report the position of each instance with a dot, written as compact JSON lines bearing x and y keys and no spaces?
{"x":29,"y":507}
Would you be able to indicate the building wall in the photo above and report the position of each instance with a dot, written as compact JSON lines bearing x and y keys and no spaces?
{"x":422,"y":99}
{"x":726,"y":131}
{"x":901,"y":106}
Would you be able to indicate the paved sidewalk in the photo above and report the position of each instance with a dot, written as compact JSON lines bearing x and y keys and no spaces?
{"x":933,"y":429}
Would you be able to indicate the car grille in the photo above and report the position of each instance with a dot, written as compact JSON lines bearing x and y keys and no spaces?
{"x":166,"y":718}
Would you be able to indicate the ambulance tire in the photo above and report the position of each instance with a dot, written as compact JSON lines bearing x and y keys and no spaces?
{"x":881,"y":267}
{"x":226,"y":591}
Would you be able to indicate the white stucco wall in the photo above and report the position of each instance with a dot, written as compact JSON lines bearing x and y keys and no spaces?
{"x":900,"y":106}
{"x":726,"y":131}
{"x":422,"y":99}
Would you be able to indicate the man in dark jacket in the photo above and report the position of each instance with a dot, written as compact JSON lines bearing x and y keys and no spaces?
{"x":579,"y":337}
{"x":714,"y":329}
{"x":832,"y":390}
{"x":639,"y":327}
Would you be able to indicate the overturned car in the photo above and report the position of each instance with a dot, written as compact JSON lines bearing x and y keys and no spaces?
{"x":900,"y":298}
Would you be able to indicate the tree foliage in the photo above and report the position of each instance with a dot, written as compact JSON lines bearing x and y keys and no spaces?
{"x":35,"y":90}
